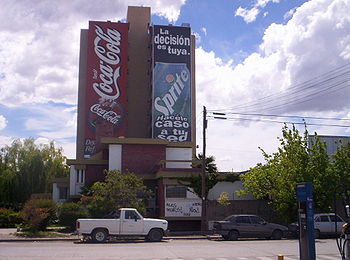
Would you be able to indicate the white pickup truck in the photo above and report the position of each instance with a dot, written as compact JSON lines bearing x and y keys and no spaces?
{"x":124,"y":222}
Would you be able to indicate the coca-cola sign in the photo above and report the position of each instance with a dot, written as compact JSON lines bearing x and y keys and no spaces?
{"x":106,"y":83}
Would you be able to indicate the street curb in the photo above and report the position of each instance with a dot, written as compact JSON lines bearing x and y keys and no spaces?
{"x":38,"y":239}
{"x":78,"y":239}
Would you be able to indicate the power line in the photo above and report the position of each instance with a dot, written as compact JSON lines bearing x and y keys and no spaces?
{"x":302,"y":100}
{"x":326,"y":82}
{"x":280,"y":122}
{"x":274,"y":115}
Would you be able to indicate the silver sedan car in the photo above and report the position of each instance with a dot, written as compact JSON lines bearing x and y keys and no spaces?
{"x":235,"y":226}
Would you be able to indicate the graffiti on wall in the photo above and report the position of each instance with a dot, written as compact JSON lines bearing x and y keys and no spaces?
{"x":178,"y":208}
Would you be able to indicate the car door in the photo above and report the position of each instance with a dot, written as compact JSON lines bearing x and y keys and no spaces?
{"x":322,"y":223}
{"x":132,"y":223}
{"x":244,"y":226}
{"x":259,"y":227}
{"x":340,"y":223}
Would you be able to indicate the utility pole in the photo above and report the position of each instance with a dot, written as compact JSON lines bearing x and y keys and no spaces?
{"x":203,"y":174}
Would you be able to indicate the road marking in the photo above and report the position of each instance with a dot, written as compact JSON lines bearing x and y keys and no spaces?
{"x":220,"y":258}
{"x":328,"y":257}
{"x":265,"y":258}
{"x":242,"y":258}
{"x":289,"y":258}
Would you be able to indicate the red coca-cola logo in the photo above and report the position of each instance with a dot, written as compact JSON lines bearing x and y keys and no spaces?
{"x":107,"y":48}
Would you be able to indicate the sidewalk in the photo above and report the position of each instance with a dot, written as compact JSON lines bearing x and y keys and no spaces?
{"x":8,"y":235}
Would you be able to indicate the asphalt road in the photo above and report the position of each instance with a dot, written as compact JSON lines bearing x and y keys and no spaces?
{"x":167,"y":250}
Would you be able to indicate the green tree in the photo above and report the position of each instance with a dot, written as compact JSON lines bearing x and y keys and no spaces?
{"x":294,"y":162}
{"x":69,"y":212}
{"x":210,"y":165}
{"x":195,"y":182}
{"x":116,"y":191}
{"x":212,"y":176}
{"x":27,"y":168}
{"x":37,"y":214}
{"x":340,"y":169}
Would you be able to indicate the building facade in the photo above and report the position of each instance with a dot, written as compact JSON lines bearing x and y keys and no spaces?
{"x":136,"y":110}
{"x":332,"y":142}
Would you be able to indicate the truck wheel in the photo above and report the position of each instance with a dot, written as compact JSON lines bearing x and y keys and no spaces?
{"x":233,"y":235}
{"x":155,"y":235}
{"x":99,"y":235}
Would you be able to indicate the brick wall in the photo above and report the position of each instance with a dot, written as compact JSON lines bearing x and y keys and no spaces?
{"x":142,"y":159}
{"x":94,"y":173}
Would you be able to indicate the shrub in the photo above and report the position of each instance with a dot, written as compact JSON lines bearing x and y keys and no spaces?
{"x":39,"y":213}
{"x":9,"y":218}
{"x":224,"y":199}
{"x":69,"y":212}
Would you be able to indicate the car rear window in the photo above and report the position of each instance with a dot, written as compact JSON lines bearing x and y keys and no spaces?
{"x":332,"y":217}
{"x":242,"y":219}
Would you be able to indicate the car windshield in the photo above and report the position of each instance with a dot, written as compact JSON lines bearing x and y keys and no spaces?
{"x":228,"y":218}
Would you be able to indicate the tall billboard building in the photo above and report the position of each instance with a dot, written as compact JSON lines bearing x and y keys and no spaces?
{"x":136,"y":110}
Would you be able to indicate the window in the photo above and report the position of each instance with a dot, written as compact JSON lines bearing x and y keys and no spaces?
{"x":176,"y":191}
{"x":63,"y":191}
{"x":113,"y":215}
{"x":80,"y":176}
{"x":243,"y":220}
{"x":256,"y":220}
{"x":324,"y":219}
{"x":130,"y":214}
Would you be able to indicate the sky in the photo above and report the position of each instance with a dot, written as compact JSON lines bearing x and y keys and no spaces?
{"x":255,"y":60}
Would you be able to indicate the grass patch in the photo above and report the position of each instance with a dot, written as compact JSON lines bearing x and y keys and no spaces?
{"x":51,"y":232}
{"x":40,"y":234}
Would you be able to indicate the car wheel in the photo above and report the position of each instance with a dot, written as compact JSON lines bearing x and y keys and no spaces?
{"x":317,"y":233}
{"x":155,"y":235}
{"x":277,"y":234}
{"x":225,"y":237}
{"x":233,"y":235}
{"x":99,"y":235}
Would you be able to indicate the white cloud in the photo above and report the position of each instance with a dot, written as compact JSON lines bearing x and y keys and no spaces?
{"x":249,"y":15}
{"x":289,"y":14}
{"x":52,"y":122}
{"x":198,"y":37}
{"x":39,"y":44}
{"x":204,"y":30}
{"x":314,"y":41}
{"x":3,"y":122}
{"x":263,"y":3}
{"x":5,"y":140}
